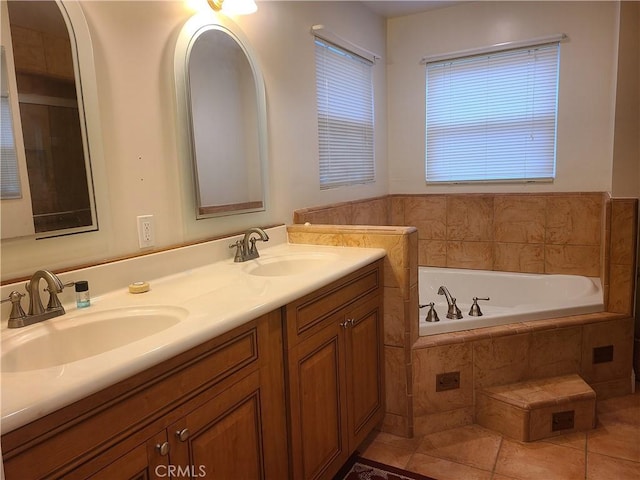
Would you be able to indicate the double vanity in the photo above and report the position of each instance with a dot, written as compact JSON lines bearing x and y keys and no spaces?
{"x":267,"y":368}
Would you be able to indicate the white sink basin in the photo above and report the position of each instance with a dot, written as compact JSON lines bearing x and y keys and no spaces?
{"x":294,"y":264}
{"x":53,"y":343}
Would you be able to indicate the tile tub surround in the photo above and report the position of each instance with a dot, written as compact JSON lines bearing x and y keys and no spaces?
{"x":522,"y":221}
{"x":588,"y":234}
{"x":513,"y":353}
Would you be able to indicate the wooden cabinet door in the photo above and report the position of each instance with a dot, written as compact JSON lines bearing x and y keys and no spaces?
{"x":319,"y":444}
{"x":364,"y":370}
{"x":223,"y":438}
{"x":145,"y":462}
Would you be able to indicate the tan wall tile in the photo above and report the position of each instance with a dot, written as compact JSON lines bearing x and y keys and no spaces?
{"x":429,"y":362}
{"x":396,"y":210}
{"x":573,"y":259}
{"x":438,"y":422}
{"x":555,"y":352}
{"x":618,"y":333}
{"x":605,"y":296}
{"x":395,"y":381}
{"x":623,"y":231}
{"x":394,"y":275}
{"x":371,"y":212}
{"x":427,"y":213}
{"x":605,"y":249}
{"x":574,"y":219}
{"x":396,"y":425}
{"x":621,"y":286}
{"x":519,"y":218}
{"x":413,"y":257}
{"x":501,"y":417}
{"x":312,"y":238}
{"x":501,"y":360}
{"x":412,"y":315}
{"x":519,"y":257}
{"x":432,"y":253}
{"x":540,"y":420}
{"x":396,"y":263}
{"x":339,"y":215}
{"x":475,"y":255}
{"x":612,"y":388}
{"x":470,"y":217}
{"x":394,"y":318}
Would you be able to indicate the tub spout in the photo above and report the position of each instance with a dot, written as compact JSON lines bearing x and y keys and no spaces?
{"x":453,"y":311}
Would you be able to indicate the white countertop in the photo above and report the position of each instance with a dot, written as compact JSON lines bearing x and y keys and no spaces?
{"x":217,"y":297}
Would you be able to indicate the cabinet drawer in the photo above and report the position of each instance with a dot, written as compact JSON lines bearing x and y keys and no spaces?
{"x":308,"y":314}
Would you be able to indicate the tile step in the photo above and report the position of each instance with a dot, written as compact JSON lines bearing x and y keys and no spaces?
{"x":537,"y":409}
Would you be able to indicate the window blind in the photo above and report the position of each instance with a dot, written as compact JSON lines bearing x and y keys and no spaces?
{"x":9,"y":178}
{"x":493,"y":117}
{"x":345,"y":116}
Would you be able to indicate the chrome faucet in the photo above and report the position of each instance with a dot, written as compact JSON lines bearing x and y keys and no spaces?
{"x":37,"y":312}
{"x":453,"y":311}
{"x":246,"y":248}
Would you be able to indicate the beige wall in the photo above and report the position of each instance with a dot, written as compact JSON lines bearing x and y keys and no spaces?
{"x":626,"y":147}
{"x":133,"y":46}
{"x":133,"y":43}
{"x":586,"y":92}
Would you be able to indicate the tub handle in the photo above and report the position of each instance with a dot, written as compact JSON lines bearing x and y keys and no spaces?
{"x":432,"y":315}
{"x":475,"y":308}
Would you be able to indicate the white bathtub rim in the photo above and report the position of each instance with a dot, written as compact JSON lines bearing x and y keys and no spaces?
{"x":590,"y":302}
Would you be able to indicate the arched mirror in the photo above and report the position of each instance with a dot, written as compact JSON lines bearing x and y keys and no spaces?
{"x":44,"y":102}
{"x":221,"y":103}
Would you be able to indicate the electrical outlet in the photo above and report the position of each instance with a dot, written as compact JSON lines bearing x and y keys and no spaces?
{"x":146,"y":234}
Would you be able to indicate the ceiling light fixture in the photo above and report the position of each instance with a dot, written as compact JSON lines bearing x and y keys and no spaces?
{"x":233,"y":7}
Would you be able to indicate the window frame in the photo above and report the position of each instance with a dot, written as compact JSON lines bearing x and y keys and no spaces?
{"x":347,"y":123}
{"x":527,"y":50}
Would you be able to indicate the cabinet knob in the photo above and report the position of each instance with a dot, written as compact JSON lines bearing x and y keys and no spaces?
{"x":163,"y":448}
{"x":183,"y":434}
{"x":347,"y":323}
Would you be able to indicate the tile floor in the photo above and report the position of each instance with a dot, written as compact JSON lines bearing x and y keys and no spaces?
{"x":609,"y":452}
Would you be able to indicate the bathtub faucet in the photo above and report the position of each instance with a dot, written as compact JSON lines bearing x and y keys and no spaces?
{"x":453,"y":311}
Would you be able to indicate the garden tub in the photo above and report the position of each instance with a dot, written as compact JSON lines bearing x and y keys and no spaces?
{"x":513,"y":297}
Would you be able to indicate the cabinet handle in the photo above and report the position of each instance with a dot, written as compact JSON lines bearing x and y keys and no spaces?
{"x":163,"y":449}
{"x":183,"y":434}
{"x":347,"y":323}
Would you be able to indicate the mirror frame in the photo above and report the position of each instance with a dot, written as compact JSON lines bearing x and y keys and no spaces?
{"x":86,"y":94}
{"x":21,"y":256}
{"x":192,"y":29}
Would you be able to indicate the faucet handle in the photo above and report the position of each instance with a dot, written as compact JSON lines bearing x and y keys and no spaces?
{"x":16,"y":308}
{"x":475,"y":308}
{"x":252,"y":247}
{"x":54,"y":301}
{"x":432,"y":315}
{"x":238,"y":245}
